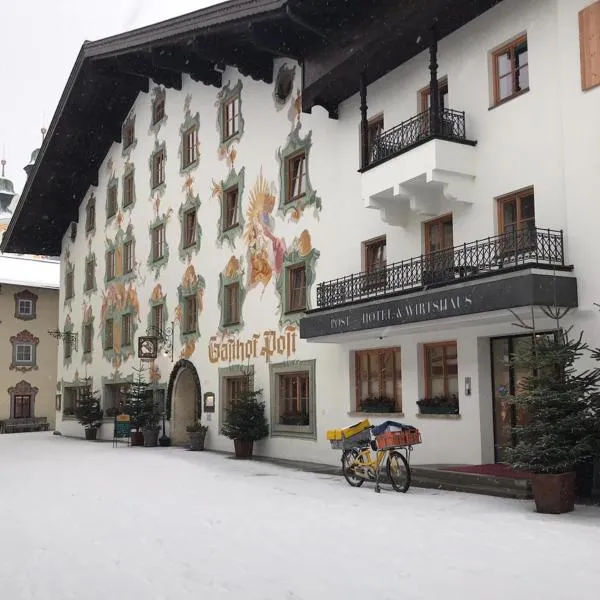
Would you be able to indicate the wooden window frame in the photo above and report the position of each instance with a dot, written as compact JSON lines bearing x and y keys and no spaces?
{"x":373,"y":277}
{"x":112,"y":202}
{"x":190,"y":146}
{"x":87,"y":335}
{"x":190,"y":313}
{"x":589,"y":46}
{"x":496,"y":75}
{"x":227,"y":208}
{"x":109,"y":334}
{"x":425,"y":92}
{"x":158,"y":242}
{"x":231,"y":304}
{"x":427,"y":227}
{"x":15,"y":399}
{"x":157,"y":316}
{"x":190,"y":227}
{"x":88,"y":283}
{"x":232,"y":385}
{"x":397,"y":368}
{"x":303,"y":176}
{"x":290,"y":269}
{"x":427,"y":365}
{"x":281,"y":379}
{"x":517,"y":197}
{"x":128,"y":257}
{"x":128,"y":189}
{"x":110,"y":265}
{"x":229,"y":132}
{"x":158,"y":168}
{"x":126,"y":330}
{"x":67,"y":348}
{"x":375,"y":123}
{"x":90,"y":215}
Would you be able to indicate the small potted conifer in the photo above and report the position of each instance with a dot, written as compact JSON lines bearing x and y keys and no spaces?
{"x":89,"y":413}
{"x":197,"y":433}
{"x":245,"y":420}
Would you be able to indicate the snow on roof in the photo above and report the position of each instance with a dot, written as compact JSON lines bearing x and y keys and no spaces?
{"x":30,"y":271}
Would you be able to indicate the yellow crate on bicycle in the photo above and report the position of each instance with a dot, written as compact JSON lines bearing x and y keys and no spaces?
{"x":345,"y":437}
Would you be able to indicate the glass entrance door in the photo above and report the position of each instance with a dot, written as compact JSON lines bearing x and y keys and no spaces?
{"x":505,"y":381}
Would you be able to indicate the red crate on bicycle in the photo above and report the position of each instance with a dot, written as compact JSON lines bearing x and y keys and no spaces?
{"x":391,"y":439}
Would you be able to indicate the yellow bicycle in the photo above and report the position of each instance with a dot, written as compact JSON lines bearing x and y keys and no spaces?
{"x":360,"y":465}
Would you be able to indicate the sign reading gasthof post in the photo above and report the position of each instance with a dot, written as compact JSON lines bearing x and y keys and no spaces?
{"x":122,"y":429}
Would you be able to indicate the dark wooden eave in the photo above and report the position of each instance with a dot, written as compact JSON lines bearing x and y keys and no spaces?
{"x":334,"y":39}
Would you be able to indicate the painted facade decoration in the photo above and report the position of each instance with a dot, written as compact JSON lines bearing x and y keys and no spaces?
{"x":155,"y":266}
{"x":128,"y":171}
{"x":269,"y":345}
{"x":192,"y":203}
{"x":25,"y":338}
{"x":227,"y":94}
{"x":190,"y":123}
{"x":265,"y":250}
{"x":192,"y":284}
{"x":226,"y":233}
{"x":300,"y":252}
{"x":111,"y":188}
{"x":157,"y":191}
{"x":87,"y":321}
{"x":158,"y":95}
{"x":127,"y":149}
{"x":92,"y":264}
{"x":66,"y":355}
{"x":232,"y":274}
{"x":284,"y":85}
{"x":118,"y":247}
{"x":23,"y":388}
{"x":296,"y":145}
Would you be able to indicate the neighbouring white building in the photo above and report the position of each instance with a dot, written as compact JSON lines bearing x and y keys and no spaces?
{"x":358,"y":203}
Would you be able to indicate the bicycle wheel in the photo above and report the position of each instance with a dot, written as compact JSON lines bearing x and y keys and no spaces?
{"x":398,"y":471}
{"x":349,"y":457}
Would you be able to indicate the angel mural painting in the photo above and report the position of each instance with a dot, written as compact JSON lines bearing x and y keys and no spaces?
{"x":266,"y":251}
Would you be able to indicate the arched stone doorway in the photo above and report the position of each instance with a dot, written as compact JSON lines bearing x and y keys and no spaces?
{"x":183,"y":400}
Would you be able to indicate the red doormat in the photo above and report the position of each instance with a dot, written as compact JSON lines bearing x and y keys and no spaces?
{"x":495,"y":470}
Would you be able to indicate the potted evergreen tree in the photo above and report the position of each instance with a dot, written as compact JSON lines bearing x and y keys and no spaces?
{"x":135,"y":404}
{"x":89,"y":413}
{"x":197,"y":433}
{"x":563,"y":418}
{"x":151,"y":421}
{"x":245,"y":421}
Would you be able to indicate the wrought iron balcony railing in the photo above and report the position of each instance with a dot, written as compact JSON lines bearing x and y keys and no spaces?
{"x":449,"y":124}
{"x":489,"y":256}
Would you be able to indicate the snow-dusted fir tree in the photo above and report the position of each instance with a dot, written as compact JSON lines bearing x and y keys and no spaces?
{"x":562,"y":403}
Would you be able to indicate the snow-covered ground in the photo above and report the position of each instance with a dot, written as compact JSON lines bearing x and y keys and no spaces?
{"x":86,"y":521}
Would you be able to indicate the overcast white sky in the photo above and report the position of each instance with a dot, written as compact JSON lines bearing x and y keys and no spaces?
{"x":39,"y":42}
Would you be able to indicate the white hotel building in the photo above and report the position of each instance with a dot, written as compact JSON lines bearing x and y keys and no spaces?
{"x":356,"y":199}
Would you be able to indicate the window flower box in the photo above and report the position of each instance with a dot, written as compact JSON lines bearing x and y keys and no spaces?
{"x":439,"y":405}
{"x":377,"y":405}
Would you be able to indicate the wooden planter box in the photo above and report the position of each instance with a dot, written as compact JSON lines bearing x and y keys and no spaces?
{"x":438,"y":410}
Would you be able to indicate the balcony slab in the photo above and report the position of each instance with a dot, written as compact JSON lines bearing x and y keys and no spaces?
{"x":427,"y":179}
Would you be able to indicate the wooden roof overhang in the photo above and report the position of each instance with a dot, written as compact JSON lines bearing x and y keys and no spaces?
{"x":334,"y":39}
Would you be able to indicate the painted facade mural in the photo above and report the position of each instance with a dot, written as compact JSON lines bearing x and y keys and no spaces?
{"x":191,"y":302}
{"x":87,"y":329}
{"x":295,"y":201}
{"x":299,"y":253}
{"x":158,"y":114}
{"x":265,"y":250}
{"x":230,"y":119}
{"x":232,"y":294}
{"x":230,"y":193}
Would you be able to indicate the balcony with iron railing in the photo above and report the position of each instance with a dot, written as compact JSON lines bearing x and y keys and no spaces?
{"x":423,"y":164}
{"x":505,"y":253}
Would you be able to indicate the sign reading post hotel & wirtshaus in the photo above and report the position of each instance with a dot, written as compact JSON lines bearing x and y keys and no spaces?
{"x":515,"y":290}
